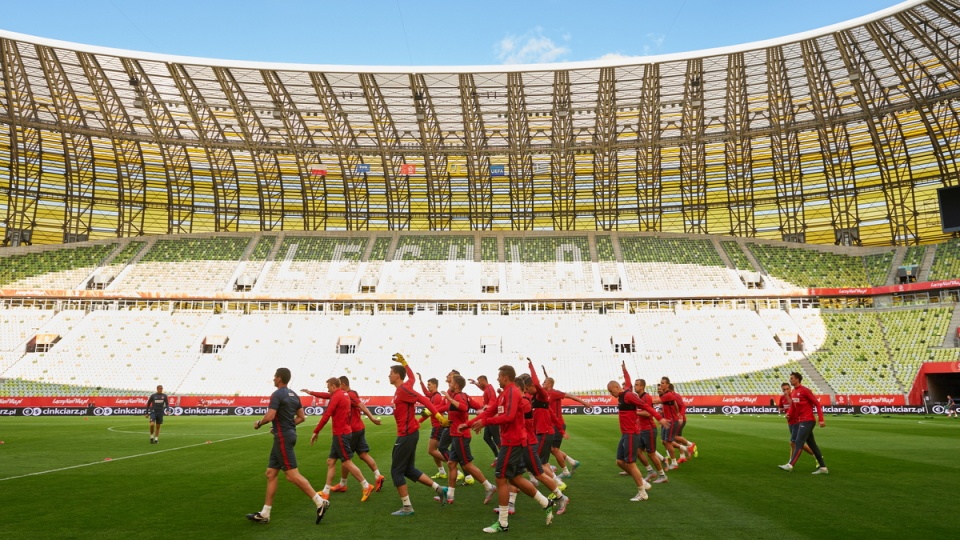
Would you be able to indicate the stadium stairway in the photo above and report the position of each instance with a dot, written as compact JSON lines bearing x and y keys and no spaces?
{"x":753,"y":260}
{"x":928,"y":256}
{"x":948,"y":340}
{"x":898,"y":256}
{"x":817,"y":378}
{"x":722,"y":252}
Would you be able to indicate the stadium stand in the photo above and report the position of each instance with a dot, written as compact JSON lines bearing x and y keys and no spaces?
{"x":213,"y":260}
{"x":705,"y":350}
{"x":946,"y":262}
{"x":816,"y":268}
{"x":544,"y":264}
{"x":736,"y":255}
{"x":316,"y":265}
{"x":675,"y":264}
{"x":64,"y":268}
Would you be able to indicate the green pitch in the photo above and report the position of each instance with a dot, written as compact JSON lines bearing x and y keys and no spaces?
{"x":100,"y":478}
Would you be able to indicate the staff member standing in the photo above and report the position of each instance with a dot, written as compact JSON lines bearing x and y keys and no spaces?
{"x":156,"y":405}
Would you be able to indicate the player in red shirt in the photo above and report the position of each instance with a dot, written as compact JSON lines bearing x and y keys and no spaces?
{"x":567,"y":464}
{"x":803,"y":403}
{"x":647,"y":449}
{"x":436,"y":430}
{"x":513,"y":436}
{"x":358,"y":439}
{"x":408,"y":434}
{"x":458,"y":407}
{"x":339,"y":408}
{"x":534,"y":407}
{"x":491,"y":434}
{"x":543,"y":424}
{"x":784,"y":405}
{"x":671,"y":411}
{"x":628,"y":402}
{"x":686,"y":447}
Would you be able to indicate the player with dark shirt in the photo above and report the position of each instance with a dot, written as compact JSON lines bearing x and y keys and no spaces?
{"x":408,"y":434}
{"x":156,"y":407}
{"x":803,"y":403}
{"x":284,"y":413}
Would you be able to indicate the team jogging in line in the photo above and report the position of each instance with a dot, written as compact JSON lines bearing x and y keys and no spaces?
{"x":520,"y":420}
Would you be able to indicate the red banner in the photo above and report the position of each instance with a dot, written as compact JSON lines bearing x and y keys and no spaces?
{"x":387,"y":401}
{"x":887,"y":289}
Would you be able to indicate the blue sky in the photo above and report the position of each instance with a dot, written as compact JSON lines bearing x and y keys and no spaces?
{"x":423,"y":32}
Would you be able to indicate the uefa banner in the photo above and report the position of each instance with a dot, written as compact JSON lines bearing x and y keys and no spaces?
{"x":383,"y":405}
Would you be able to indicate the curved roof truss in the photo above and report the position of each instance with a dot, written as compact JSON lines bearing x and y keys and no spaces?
{"x":841,"y":135}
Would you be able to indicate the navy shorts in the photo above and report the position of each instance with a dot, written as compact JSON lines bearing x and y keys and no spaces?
{"x":531,"y":459}
{"x":510,"y":462}
{"x":648,"y":440}
{"x":627,"y":449}
{"x":156,"y":417}
{"x":558,"y":436}
{"x":358,"y":442}
{"x":669,"y":432}
{"x":460,"y":450}
{"x":340,"y":447}
{"x":281,"y":455}
{"x":544,"y":444}
{"x":444,"y":442}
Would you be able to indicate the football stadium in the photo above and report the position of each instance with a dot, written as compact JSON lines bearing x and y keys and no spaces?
{"x":723,"y":218}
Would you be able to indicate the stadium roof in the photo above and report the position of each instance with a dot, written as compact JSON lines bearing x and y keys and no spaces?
{"x":842,"y":134}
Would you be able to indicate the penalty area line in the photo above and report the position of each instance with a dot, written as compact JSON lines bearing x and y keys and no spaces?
{"x":38,"y":473}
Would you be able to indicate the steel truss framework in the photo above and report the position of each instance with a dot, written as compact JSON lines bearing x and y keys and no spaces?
{"x":833,"y":136}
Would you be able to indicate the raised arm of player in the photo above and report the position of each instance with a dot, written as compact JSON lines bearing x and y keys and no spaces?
{"x":575,"y":398}
{"x":321,"y":395}
{"x":533,"y":373}
{"x":423,"y":387}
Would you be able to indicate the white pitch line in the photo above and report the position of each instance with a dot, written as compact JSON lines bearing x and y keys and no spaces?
{"x":38,"y":473}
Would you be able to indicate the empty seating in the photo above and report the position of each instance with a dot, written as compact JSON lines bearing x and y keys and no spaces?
{"x":946,"y":261}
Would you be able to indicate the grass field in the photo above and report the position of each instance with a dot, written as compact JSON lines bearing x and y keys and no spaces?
{"x":100,"y":478}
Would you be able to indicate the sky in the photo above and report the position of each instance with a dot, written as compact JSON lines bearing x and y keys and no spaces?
{"x":423,"y":32}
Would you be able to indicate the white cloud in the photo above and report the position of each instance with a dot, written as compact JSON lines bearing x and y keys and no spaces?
{"x":533,"y":47}
{"x":651,"y":46}
{"x":653,"y":43}
{"x":618,"y":57}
